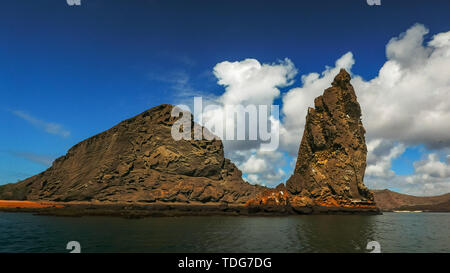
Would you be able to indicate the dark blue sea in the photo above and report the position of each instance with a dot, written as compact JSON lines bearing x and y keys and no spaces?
{"x":394,"y":232}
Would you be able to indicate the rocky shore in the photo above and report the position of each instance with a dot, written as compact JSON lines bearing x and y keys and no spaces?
{"x":137,"y":168}
{"x":136,"y":210}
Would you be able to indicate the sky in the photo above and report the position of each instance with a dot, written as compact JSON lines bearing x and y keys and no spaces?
{"x":70,"y":72}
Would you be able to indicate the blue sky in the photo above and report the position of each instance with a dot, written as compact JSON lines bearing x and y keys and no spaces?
{"x":67,"y":73}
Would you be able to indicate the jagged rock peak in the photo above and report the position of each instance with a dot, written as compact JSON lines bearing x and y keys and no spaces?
{"x":342,"y":79}
{"x":332,"y":155}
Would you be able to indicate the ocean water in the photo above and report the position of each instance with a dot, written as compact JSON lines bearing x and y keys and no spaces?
{"x":395,"y":232}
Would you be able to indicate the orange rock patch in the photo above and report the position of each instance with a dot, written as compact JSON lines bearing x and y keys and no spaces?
{"x":280,"y":197}
{"x":273,"y":197}
{"x":26,"y":204}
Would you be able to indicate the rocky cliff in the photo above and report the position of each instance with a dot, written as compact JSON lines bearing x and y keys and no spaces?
{"x":139,"y":161}
{"x":332,"y":156}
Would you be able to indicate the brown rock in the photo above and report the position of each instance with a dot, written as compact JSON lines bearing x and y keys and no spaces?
{"x":139,"y":161}
{"x":271,"y":197}
{"x":332,"y":156}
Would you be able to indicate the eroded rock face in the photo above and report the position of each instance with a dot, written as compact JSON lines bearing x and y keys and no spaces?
{"x":332,"y":156}
{"x":139,"y":161}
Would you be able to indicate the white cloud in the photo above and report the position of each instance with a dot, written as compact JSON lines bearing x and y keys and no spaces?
{"x":254,"y":179}
{"x":264,"y":168}
{"x":415,"y":184}
{"x":49,"y":127}
{"x":250,"y":82}
{"x":380,"y":154}
{"x":254,"y":165}
{"x":433,"y":167}
{"x":407,"y":103}
{"x":431,"y":176}
{"x":409,"y":100}
{"x":247,"y":82}
{"x":407,"y":49}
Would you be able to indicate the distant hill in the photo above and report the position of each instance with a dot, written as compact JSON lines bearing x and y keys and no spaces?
{"x":388,"y":201}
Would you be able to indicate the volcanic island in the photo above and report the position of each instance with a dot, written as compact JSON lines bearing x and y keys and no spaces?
{"x":136,"y":169}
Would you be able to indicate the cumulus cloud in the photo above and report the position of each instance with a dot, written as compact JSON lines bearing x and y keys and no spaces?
{"x":433,"y":167}
{"x":415,"y":184}
{"x":407,"y":103}
{"x":431,"y":177}
{"x":409,"y":100}
{"x":250,"y":82}
{"x":407,"y":49}
{"x":380,"y":155}
{"x":49,"y":127}
{"x":265,"y":168}
{"x":254,"y":164}
{"x":247,"y":83}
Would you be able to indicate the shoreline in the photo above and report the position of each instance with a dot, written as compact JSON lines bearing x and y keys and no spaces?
{"x":137,"y":210}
